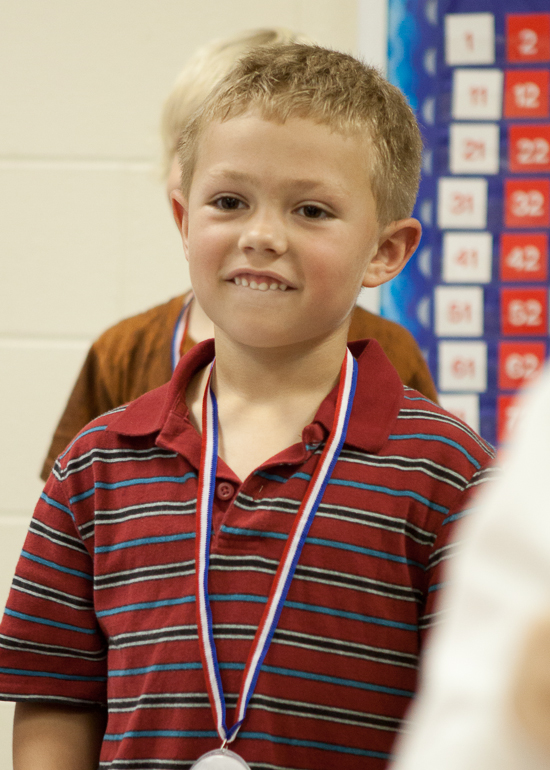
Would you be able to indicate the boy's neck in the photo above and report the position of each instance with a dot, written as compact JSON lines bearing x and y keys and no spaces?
{"x":270,"y":375}
{"x":266,"y":397}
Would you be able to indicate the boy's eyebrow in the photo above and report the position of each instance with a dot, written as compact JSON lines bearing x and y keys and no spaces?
{"x":240,"y":176}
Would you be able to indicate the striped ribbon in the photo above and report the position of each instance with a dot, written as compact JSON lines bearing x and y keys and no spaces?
{"x":180,"y":330}
{"x":289,"y":559}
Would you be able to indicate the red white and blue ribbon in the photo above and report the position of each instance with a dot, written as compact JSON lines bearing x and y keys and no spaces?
{"x":180,"y":330}
{"x":289,"y":559}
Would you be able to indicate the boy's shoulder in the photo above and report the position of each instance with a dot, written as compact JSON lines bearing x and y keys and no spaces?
{"x":114,"y":430}
{"x":390,"y":418}
{"x":134,"y":427}
{"x":435,"y":434}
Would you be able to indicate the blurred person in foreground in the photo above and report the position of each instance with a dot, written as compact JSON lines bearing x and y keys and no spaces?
{"x":141,"y":352}
{"x":484,"y":701}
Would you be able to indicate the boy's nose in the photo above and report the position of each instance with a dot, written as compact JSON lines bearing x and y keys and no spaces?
{"x":264,"y":233}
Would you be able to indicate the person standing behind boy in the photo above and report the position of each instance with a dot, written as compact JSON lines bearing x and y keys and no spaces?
{"x":330,"y":506}
{"x":140,"y":353}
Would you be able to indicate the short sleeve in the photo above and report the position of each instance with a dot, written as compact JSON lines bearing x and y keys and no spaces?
{"x":52,"y":648}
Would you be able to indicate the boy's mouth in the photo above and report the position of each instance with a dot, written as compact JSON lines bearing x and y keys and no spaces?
{"x":260,"y":282}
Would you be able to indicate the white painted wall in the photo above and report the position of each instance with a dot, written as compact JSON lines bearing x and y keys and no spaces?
{"x":86,"y":235}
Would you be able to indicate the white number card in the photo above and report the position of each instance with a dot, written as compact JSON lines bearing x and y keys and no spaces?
{"x":463,"y":366}
{"x":474,"y":148}
{"x":465,"y":406}
{"x":458,"y":311}
{"x":477,"y":94}
{"x":467,"y":257}
{"x":469,"y":38}
{"x":462,"y":203}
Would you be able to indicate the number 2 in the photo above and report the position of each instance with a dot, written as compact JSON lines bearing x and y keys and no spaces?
{"x":527,"y":95}
{"x":533,"y":151}
{"x":524,"y":259}
{"x":527,"y":203}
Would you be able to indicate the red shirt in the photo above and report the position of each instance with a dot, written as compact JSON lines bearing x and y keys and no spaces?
{"x":102,"y":606}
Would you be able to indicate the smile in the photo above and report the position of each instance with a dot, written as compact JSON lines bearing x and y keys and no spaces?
{"x":259,"y":283}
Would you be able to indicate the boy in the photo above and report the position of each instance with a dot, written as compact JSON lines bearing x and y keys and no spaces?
{"x":300,"y":173}
{"x":140,"y":353}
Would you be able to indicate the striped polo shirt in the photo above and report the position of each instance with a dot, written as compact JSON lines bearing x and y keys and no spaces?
{"x":102,"y":606}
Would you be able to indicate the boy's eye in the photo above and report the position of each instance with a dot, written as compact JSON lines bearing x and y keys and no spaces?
{"x":313,"y":212}
{"x":227,"y":203}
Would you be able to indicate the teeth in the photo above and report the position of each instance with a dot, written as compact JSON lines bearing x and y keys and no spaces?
{"x":262,"y":286}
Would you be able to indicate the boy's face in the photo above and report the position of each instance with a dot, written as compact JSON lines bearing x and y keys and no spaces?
{"x":280,"y":229}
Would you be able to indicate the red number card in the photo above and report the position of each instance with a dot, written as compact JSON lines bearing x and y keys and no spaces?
{"x":526,"y":93}
{"x":519,"y":363}
{"x":526,"y":202}
{"x":524,"y":257}
{"x":524,"y":312}
{"x":529,"y":147}
{"x":528,"y":37}
{"x":507,"y":414}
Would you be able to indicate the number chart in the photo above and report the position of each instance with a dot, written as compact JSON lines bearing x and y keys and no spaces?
{"x":477,"y":74}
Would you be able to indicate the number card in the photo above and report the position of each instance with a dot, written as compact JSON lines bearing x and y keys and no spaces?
{"x":458,"y":311}
{"x":469,"y":38}
{"x":524,"y":257}
{"x":462,"y":203}
{"x":464,"y":406}
{"x":507,"y":417}
{"x":524,"y":312}
{"x":474,"y":148}
{"x":519,"y":363}
{"x":526,"y":202}
{"x":529,"y":147}
{"x":528,"y":37}
{"x":477,"y":94}
{"x":526,"y":94}
{"x":467,"y":257}
{"x":463,"y":366}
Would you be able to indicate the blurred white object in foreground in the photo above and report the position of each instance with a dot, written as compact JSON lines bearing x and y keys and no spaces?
{"x":499,"y":588}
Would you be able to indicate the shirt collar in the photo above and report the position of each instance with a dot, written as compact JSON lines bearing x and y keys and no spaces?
{"x":378,"y":399}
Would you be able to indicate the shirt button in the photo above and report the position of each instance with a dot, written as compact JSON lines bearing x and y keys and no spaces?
{"x":224,"y":490}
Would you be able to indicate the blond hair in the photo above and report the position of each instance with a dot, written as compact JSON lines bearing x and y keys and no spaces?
{"x":331,"y":88}
{"x":205,"y":68}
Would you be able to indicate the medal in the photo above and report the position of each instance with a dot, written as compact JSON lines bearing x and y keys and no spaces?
{"x":223,"y":758}
{"x":220,"y":759}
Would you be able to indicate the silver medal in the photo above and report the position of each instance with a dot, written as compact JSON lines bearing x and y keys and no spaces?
{"x":220,"y":759}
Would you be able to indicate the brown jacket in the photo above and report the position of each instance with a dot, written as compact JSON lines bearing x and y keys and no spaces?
{"x":134,"y":356}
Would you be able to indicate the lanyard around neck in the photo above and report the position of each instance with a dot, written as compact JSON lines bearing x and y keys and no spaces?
{"x":289,"y":559}
{"x":180,"y":330}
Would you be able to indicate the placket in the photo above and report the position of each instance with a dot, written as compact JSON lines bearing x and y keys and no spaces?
{"x":232,"y":497}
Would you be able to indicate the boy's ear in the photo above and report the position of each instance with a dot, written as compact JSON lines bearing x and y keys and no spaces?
{"x":180,"y":210}
{"x":396,"y":245}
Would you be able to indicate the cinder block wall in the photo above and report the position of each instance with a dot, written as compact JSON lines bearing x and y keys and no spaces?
{"x":86,"y":236}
